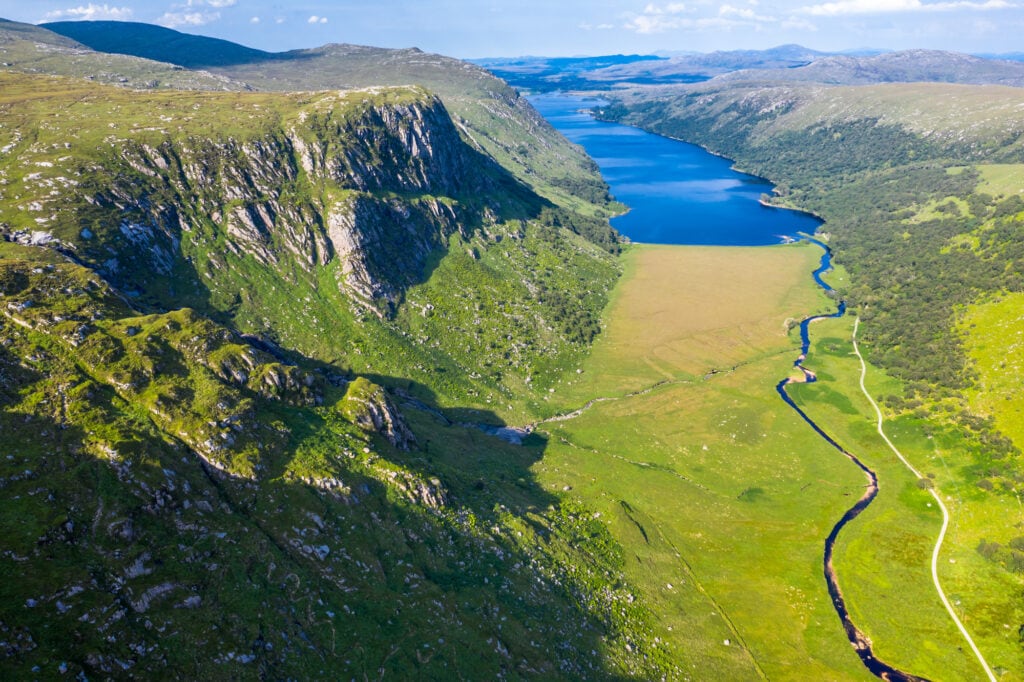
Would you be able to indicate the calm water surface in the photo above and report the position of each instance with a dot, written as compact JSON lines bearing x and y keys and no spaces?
{"x":677,"y":192}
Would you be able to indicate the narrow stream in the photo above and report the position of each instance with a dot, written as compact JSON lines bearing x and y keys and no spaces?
{"x":860,"y":641}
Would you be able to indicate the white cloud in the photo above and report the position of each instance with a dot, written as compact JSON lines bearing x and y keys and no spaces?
{"x":316,"y":20}
{"x":659,"y":18}
{"x":596,"y":27}
{"x":221,"y":3}
{"x":797,"y":24}
{"x":846,"y":7}
{"x":740,"y":12}
{"x":91,"y":12}
{"x":679,"y":16}
{"x":176,"y":19}
{"x":254,"y":20}
{"x":646,"y":23}
{"x":279,"y":20}
{"x":671,"y":8}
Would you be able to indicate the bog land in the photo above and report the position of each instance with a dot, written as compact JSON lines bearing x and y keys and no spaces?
{"x":721,"y":496}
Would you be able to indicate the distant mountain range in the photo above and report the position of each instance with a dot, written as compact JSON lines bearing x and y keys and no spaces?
{"x":711,"y":64}
{"x":907,"y":66}
{"x":783,"y":63}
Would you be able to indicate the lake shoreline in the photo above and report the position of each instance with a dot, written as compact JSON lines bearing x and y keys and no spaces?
{"x":677,"y":192}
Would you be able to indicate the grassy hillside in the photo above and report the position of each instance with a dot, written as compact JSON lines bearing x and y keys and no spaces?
{"x":27,"y":48}
{"x":413,"y":265}
{"x":247,"y":344}
{"x":156,"y":43}
{"x":179,"y":502}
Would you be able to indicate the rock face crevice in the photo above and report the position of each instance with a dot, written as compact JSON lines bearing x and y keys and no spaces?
{"x":405,"y":148}
{"x":383,"y":244}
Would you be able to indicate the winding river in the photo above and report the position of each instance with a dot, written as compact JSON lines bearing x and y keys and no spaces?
{"x":680,"y":194}
{"x":860,"y":641}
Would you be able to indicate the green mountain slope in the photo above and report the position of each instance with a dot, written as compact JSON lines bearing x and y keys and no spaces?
{"x":178,"y":502}
{"x":490,"y":115}
{"x":204,"y":296}
{"x":29,"y":49}
{"x":156,"y":43}
{"x":354,"y":227}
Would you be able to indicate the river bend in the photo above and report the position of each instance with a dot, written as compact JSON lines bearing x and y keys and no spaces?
{"x":860,"y":641}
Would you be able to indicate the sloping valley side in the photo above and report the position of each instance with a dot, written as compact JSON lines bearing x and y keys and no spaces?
{"x":239,"y":332}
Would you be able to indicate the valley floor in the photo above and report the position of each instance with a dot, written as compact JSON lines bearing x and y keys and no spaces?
{"x":721,"y":496}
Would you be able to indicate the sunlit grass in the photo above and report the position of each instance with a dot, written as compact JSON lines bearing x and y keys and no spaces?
{"x":722,"y":496}
{"x":719,"y":493}
{"x":688,"y":312}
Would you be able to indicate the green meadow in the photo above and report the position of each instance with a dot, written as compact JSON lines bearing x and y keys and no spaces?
{"x":721,"y":496}
{"x":884,"y":557}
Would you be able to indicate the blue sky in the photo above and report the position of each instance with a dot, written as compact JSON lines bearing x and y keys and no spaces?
{"x":489,"y":28}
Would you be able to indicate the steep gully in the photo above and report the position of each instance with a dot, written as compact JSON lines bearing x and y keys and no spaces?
{"x":860,"y":641}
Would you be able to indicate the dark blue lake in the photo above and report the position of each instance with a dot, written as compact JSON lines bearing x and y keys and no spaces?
{"x":677,"y":192}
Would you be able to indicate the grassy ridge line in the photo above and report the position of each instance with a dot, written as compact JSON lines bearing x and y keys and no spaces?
{"x":30,"y":49}
{"x":935,"y":495}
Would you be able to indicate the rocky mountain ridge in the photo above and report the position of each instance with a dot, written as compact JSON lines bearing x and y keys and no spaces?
{"x":491,"y":116}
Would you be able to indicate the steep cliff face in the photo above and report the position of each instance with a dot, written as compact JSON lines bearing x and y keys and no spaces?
{"x":491,"y":115}
{"x":372,"y":180}
{"x":355,"y":227}
{"x":383,"y":244}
